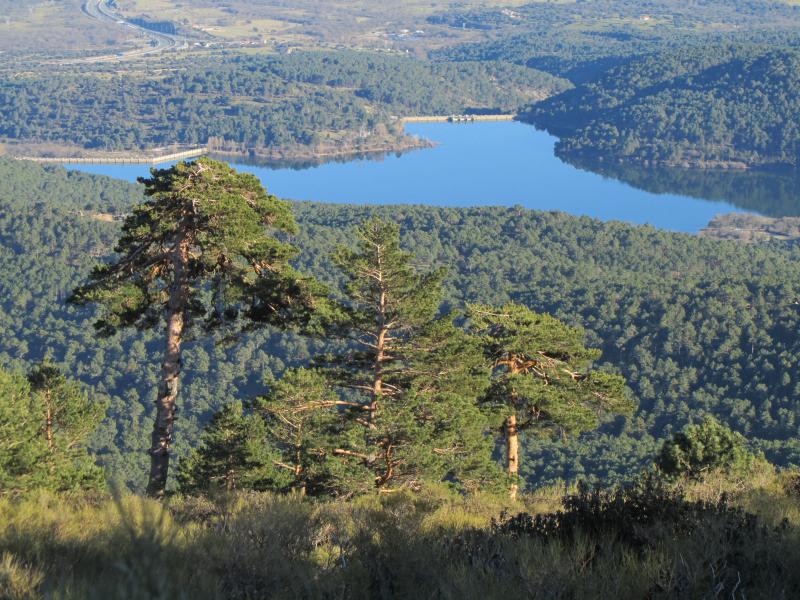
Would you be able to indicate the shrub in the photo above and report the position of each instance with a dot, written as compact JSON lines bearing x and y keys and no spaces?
{"x":637,"y":515}
{"x":704,"y":447}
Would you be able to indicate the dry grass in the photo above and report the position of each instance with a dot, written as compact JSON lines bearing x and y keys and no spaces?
{"x":354,"y":23}
{"x":433,"y":544}
{"x":17,"y":581}
{"x":48,"y":25}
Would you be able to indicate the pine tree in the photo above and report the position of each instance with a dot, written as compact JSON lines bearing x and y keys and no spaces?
{"x":703,"y":447}
{"x":304,"y":422}
{"x":409,"y":393}
{"x":46,"y":421}
{"x":202,"y":250}
{"x":232,"y":454}
{"x":21,"y":446}
{"x":541,"y":378}
{"x":448,"y":428}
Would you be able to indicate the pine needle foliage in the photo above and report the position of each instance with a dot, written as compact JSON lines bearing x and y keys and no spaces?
{"x":412,"y":376}
{"x":205,"y":248}
{"x":231,"y":455}
{"x":388,"y":301}
{"x":229,"y":227}
{"x":46,"y":421}
{"x":542,"y":381}
{"x":304,"y":421}
{"x":704,"y":447}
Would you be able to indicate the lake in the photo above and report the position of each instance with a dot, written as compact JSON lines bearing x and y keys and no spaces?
{"x":509,"y":163}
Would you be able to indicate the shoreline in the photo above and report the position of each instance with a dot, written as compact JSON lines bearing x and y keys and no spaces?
{"x":751,"y":228}
{"x":298,"y":154}
{"x":456,"y":118}
{"x":278,"y":155}
{"x":116,"y":160}
{"x":688,"y":164}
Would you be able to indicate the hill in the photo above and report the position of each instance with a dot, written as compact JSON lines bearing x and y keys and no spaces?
{"x":711,"y":107}
{"x":305,"y":102}
{"x":696,"y":326}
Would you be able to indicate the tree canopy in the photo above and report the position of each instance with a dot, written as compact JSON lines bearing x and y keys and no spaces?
{"x":541,"y":378}
{"x":202,"y":248}
{"x":702,"y":447}
{"x":46,"y":422}
{"x":695,"y":326}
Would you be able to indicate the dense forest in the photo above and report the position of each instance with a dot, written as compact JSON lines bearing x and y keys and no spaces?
{"x":695,"y":326}
{"x":364,"y":460}
{"x":252,"y":102}
{"x":580,"y":41}
{"x":658,"y":84}
{"x":710,"y":106}
{"x":208,"y":391}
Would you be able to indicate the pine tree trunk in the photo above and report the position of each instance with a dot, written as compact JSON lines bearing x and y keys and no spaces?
{"x":512,"y":453}
{"x":170,"y":373}
{"x":48,"y":427}
{"x":377,"y":379}
{"x":380,"y":349}
{"x":300,"y":484}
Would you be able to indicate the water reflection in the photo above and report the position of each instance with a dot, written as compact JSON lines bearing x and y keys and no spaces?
{"x":774,"y":194}
{"x":301,"y":164}
{"x":512,"y":164}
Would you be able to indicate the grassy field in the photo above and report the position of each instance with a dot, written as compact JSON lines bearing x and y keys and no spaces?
{"x":52,"y":26}
{"x":434,"y":544}
{"x":60,"y":26}
{"x":353,"y":23}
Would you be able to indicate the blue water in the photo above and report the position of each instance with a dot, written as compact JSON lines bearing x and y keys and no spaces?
{"x":475,"y":164}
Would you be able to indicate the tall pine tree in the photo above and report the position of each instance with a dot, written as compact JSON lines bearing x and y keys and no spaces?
{"x":541,"y":377}
{"x":412,"y":378}
{"x":202,"y":250}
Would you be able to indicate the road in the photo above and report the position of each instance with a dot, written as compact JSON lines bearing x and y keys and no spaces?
{"x":159,"y":42}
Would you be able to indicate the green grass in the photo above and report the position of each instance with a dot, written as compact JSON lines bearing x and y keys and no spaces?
{"x":427,"y":545}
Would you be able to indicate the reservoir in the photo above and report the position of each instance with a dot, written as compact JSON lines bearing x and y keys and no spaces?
{"x":510,"y":164}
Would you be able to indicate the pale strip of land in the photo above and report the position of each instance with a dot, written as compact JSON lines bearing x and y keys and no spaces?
{"x":118,"y":160}
{"x":274,"y":154}
{"x":456,"y":118}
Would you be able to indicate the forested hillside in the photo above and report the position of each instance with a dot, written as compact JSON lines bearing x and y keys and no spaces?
{"x":706,"y":106}
{"x":255,"y":102}
{"x":696,"y":326}
{"x":582,"y":40}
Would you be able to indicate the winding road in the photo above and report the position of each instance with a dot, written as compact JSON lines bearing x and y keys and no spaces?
{"x":159,"y":42}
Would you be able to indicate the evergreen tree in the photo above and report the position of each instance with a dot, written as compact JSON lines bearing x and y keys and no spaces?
{"x":202,"y":248}
{"x":304,"y":423}
{"x":231,"y":455}
{"x":541,"y":379}
{"x":703,"y":447}
{"x":45,"y":424}
{"x":447,"y":426}
{"x":410,"y":395}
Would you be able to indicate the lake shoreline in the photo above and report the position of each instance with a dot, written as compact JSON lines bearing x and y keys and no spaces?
{"x":315,"y":157}
{"x":310,"y":154}
{"x":483,"y":164}
{"x":689,"y":164}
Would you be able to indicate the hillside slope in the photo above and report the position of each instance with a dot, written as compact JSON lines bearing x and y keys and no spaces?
{"x":697,"y":326}
{"x":717,"y":106}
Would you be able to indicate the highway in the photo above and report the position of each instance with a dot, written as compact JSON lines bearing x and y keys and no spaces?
{"x":159,"y":42}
